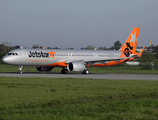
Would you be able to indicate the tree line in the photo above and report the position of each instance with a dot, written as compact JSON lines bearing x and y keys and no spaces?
{"x":117,"y":46}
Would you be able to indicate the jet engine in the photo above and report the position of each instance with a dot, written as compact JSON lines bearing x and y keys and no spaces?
{"x":76,"y":66}
{"x":44,"y":68}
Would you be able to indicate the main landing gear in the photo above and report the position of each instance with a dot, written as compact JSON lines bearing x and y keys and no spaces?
{"x":20,"y":69}
{"x":86,"y":71}
{"x":64,"y":71}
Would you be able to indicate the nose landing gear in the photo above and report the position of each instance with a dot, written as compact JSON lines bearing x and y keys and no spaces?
{"x":20,"y":69}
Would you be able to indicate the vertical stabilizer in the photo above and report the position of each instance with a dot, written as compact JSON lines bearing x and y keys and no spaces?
{"x":131,"y":42}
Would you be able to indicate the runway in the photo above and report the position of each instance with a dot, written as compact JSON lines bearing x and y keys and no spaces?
{"x":90,"y":76}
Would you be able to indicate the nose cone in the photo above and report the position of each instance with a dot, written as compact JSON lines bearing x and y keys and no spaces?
{"x":6,"y":59}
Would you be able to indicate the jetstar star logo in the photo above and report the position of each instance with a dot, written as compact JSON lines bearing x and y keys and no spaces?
{"x":42,"y":54}
{"x":51,"y":54}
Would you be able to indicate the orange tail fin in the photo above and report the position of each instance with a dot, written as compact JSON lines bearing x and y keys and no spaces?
{"x":131,"y":42}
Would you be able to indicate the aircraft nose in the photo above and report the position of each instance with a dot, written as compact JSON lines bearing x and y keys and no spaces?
{"x":5,"y":59}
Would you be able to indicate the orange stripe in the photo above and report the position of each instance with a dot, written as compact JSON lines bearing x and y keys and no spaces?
{"x":110,"y":63}
{"x":63,"y":64}
{"x":59,"y":64}
{"x":107,"y":64}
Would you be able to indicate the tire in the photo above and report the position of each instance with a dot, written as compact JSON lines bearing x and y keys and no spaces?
{"x":64,"y":71}
{"x":85,"y":72}
{"x":20,"y":71}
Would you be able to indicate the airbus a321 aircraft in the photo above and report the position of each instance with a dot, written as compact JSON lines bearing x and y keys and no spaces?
{"x":74,"y":60}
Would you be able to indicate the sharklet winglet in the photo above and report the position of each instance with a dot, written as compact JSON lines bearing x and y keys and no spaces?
{"x":140,"y":54}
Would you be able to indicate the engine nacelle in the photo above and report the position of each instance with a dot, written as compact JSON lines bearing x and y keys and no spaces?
{"x":44,"y":68}
{"x":76,"y":66}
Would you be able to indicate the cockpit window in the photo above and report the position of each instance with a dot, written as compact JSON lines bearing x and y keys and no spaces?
{"x":12,"y":53}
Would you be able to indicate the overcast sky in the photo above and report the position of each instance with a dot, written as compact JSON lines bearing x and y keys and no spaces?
{"x":77,"y":23}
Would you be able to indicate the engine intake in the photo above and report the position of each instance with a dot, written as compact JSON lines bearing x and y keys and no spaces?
{"x":76,"y":66}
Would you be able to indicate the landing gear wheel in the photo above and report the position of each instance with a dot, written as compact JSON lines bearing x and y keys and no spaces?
{"x":86,"y":72}
{"x":20,"y":69}
{"x":64,"y":71}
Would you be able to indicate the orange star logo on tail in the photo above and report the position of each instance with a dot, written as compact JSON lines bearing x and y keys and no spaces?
{"x":51,"y":54}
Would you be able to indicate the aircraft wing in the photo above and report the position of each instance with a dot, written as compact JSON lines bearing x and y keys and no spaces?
{"x":138,"y":55}
{"x":104,"y":60}
{"x":93,"y":61}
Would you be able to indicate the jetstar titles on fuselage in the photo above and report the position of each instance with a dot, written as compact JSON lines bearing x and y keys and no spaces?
{"x":38,"y":54}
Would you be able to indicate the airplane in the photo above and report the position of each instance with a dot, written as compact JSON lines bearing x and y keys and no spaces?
{"x":74,"y":60}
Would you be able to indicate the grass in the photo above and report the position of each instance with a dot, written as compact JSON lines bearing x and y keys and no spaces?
{"x":79,"y":99}
{"x":123,"y":68}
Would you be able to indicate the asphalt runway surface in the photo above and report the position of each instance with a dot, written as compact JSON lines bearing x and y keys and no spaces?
{"x":90,"y":76}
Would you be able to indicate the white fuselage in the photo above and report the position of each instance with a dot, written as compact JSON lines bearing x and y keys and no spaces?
{"x":43,"y":57}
